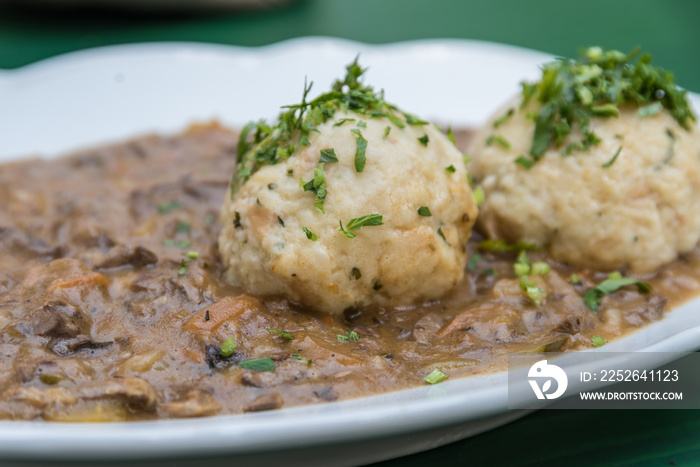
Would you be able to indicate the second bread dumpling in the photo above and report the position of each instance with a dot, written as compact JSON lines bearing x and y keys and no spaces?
{"x":599,"y":162}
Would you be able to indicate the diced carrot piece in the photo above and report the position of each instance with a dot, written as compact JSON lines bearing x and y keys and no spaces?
{"x":192,"y":355}
{"x":94,"y":279}
{"x":226,"y":309}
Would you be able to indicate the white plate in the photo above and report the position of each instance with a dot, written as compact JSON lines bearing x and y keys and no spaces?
{"x":108,"y":94}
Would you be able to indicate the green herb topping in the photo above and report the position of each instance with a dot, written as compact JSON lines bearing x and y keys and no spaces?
{"x":348,"y":336}
{"x":614,"y":282}
{"x":167,"y":207}
{"x":424,"y":211}
{"x":534,"y":293}
{"x":359,"y":222}
{"x":328,"y":155}
{"x":501,"y":120}
{"x":614,"y":158}
{"x":572,"y":92}
{"x":178,"y":243}
{"x":442,"y":235}
{"x":261,"y":364}
{"x":360,"y":150}
{"x":521,"y":267}
{"x":284,"y":334}
{"x":183,"y":227}
{"x":355,"y":273}
{"x":423,"y":140}
{"x":451,"y":136}
{"x":262,"y":144}
{"x":436,"y":376}
{"x":473,"y":261}
{"x":598,"y":341}
{"x":228,"y":347}
{"x":450,"y":169}
{"x":298,"y":357}
{"x":501,"y":246}
{"x":498,"y":139}
{"x":525,"y":161}
{"x":479,"y":195}
{"x":317,"y":186}
{"x":309,"y":234}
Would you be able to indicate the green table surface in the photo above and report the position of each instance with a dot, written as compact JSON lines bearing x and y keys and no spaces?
{"x":668,"y":29}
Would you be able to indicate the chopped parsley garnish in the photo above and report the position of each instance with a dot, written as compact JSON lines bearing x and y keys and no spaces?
{"x":651,"y":109}
{"x":451,"y":136}
{"x":228,"y":347}
{"x":236,"y":219}
{"x":424,"y":211}
{"x":182,"y":270}
{"x":359,"y":222}
{"x":348,"y":336}
{"x":284,"y":334}
{"x":423,"y":140}
{"x":193,"y":254}
{"x":450,"y":169}
{"x":534,"y":293}
{"x":593,"y":296}
{"x":413,"y":120}
{"x":598,"y":341}
{"x":436,"y":376}
{"x":167,"y":207}
{"x":299,"y":358}
{"x":478,"y":194}
{"x":525,"y":161}
{"x":442,"y":235}
{"x":262,"y":144}
{"x":328,"y":155}
{"x":271,"y":186}
{"x":574,"y":279}
{"x":317,"y":186}
{"x":361,"y":148}
{"x":177,"y":243}
{"x":540,"y":268}
{"x":377,"y":284}
{"x":488,"y":272}
{"x":309,"y":234}
{"x":280,"y":221}
{"x":614,"y":158}
{"x":504,"y":118}
{"x":261,"y":364}
{"x":571,"y":92}
{"x":387,"y":130}
{"x":498,"y":139}
{"x":343,"y":120}
{"x":501,"y":246}
{"x":362,"y":124}
{"x":183,"y":227}
{"x":355,"y":273}
{"x":521,"y":267}
{"x":473,"y":261}
{"x":272,"y":144}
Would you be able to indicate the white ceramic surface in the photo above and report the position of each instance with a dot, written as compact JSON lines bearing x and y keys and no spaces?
{"x":107,"y":94}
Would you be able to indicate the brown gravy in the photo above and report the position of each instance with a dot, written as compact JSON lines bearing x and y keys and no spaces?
{"x":105,"y":316}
